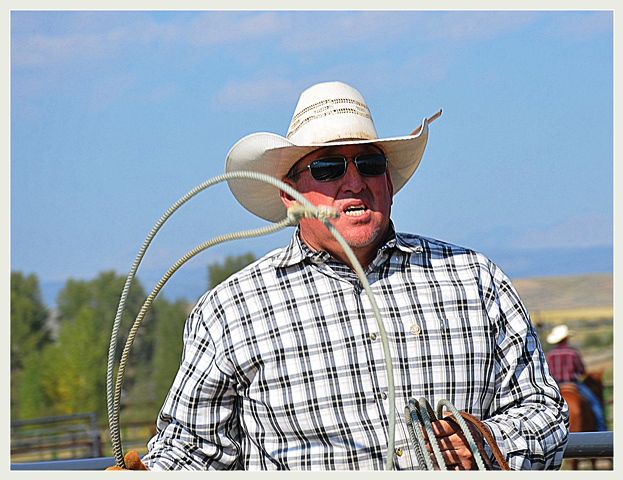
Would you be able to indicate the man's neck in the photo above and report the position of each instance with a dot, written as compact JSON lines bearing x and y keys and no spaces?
{"x":365,"y":255}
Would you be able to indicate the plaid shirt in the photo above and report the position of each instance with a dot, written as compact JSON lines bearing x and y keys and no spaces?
{"x":283,"y":365}
{"x":565,"y":363}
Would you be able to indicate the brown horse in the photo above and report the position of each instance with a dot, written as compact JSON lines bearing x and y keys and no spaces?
{"x":581,"y":416}
{"x":593,"y":380}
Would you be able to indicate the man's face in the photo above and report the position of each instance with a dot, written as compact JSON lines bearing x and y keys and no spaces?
{"x":363,"y":202}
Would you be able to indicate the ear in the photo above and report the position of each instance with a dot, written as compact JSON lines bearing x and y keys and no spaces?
{"x":390,"y":186}
{"x":286,"y":199}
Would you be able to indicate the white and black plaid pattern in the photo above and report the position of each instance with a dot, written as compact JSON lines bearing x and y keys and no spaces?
{"x":283,"y":366}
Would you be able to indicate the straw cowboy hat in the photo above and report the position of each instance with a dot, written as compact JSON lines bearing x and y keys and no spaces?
{"x":558,"y":334}
{"x":330,"y":113}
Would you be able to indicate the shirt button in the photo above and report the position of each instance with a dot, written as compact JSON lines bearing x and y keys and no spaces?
{"x":398,"y":452}
{"x":384,"y":395}
{"x":373,"y":336}
{"x":415,"y":329}
{"x":419,"y":249}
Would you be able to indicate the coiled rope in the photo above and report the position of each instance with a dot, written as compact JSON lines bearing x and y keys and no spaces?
{"x":421,"y":415}
{"x":304,"y":209}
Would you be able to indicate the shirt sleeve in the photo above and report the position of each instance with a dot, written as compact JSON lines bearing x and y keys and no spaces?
{"x":197,"y":427}
{"x":529,"y":418}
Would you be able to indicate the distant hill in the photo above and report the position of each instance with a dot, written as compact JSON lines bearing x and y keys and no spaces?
{"x":566,"y":292}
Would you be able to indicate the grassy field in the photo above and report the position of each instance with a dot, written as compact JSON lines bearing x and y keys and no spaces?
{"x":578,"y":292}
{"x":588,"y":315}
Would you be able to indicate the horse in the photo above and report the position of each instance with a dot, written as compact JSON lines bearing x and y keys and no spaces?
{"x":581,"y":416}
{"x":593,"y":380}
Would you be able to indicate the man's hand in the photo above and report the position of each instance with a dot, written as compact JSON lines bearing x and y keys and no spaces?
{"x":132,"y":462}
{"x":453,"y":445}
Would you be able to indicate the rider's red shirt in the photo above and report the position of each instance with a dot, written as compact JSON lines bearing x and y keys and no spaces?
{"x":564,"y":363}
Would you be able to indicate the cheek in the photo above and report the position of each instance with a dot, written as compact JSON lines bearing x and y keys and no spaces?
{"x":383,"y":194}
{"x":318,"y":197}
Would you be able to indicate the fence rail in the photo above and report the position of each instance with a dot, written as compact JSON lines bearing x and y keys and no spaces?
{"x":58,"y":437}
{"x":580,"y":445}
{"x":71,"y":437}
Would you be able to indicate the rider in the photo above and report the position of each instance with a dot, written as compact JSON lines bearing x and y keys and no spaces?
{"x":565,"y":365}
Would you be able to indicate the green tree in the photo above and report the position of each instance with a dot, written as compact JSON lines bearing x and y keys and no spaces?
{"x":29,"y":332}
{"x":69,"y":376}
{"x":151,"y":380}
{"x":217,"y":272}
{"x":169,"y":319}
{"x":101,"y":296}
{"x":33,"y":401}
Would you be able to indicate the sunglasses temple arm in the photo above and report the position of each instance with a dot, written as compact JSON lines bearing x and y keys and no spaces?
{"x":430,"y":119}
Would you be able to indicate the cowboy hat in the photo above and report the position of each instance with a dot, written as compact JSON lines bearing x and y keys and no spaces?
{"x":329,"y":113}
{"x":558,"y":334}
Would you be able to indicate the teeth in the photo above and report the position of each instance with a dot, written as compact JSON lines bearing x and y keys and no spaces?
{"x":354,"y":211}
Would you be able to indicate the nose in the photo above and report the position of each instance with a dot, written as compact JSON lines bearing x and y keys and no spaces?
{"x":352,"y":180}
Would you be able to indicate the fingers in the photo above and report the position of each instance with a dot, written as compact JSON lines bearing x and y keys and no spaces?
{"x":133,"y":461}
{"x":452,"y":444}
{"x":456,"y":455}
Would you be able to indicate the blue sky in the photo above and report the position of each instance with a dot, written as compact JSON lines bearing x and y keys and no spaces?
{"x":115,"y":115}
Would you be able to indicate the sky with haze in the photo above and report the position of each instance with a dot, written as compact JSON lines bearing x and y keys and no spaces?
{"x":115,"y":115}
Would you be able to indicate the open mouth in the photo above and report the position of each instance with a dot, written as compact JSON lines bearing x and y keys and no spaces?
{"x":355,"y":211}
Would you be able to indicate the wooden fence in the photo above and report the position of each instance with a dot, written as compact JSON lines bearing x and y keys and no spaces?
{"x":71,"y":437}
{"x":53,"y":438}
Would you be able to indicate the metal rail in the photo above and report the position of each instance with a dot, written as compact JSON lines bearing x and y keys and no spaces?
{"x":590,"y":445}
{"x":580,"y":445}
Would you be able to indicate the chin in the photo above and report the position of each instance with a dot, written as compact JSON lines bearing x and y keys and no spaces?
{"x":363,"y":239}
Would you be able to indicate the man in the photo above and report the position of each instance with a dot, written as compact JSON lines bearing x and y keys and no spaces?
{"x":283,"y":366}
{"x":566,"y":366}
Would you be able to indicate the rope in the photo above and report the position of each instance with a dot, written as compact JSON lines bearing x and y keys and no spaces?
{"x":471,"y":443}
{"x":295,"y":213}
{"x":420,"y":414}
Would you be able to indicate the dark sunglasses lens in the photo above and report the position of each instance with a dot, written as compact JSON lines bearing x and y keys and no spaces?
{"x":371,"y":165}
{"x":327,"y":169}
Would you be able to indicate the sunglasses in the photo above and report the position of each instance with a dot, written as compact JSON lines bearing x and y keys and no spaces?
{"x":331,"y":168}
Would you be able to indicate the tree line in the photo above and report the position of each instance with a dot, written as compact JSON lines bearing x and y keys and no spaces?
{"x":62,"y":370}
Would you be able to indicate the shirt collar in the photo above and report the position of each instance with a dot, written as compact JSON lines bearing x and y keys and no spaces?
{"x":408,"y":243}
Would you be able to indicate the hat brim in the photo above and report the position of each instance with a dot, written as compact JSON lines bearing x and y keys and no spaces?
{"x":275,"y":155}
